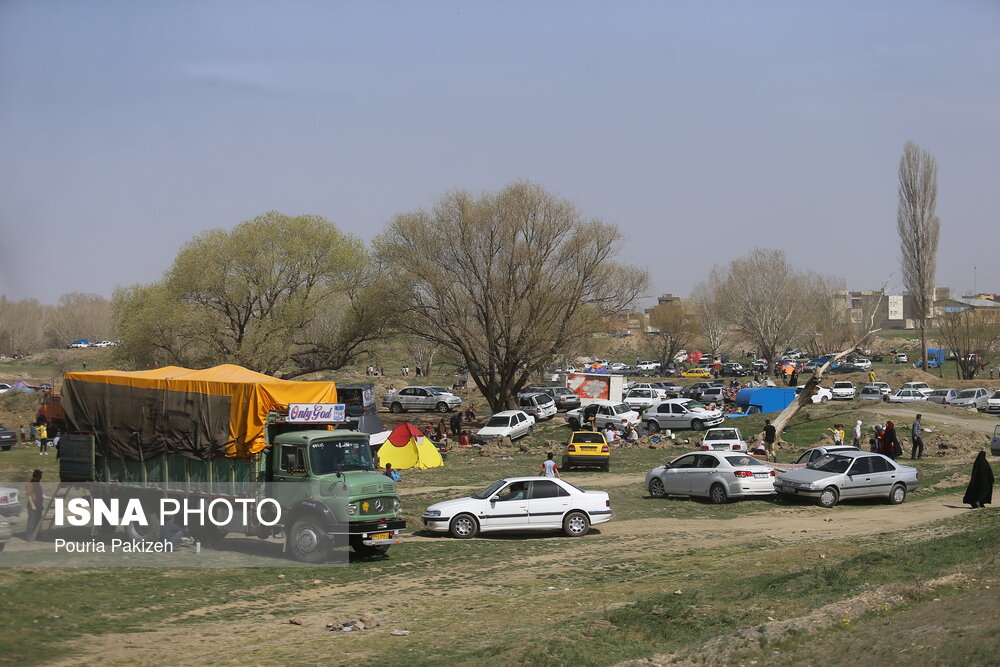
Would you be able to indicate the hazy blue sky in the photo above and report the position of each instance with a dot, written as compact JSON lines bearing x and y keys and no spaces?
{"x":701,"y":128}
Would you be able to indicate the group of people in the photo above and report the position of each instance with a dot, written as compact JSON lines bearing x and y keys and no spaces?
{"x":627,"y":434}
{"x":39,"y":435}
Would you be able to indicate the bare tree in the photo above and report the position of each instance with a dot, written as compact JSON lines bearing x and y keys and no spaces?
{"x":21,"y":326}
{"x":710,"y":315}
{"x":767,"y":298}
{"x":919,"y":228}
{"x":973,"y":335}
{"x":507,"y":281}
{"x":676,"y":328}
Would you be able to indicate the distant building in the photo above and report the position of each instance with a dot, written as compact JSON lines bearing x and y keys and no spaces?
{"x":895,"y":311}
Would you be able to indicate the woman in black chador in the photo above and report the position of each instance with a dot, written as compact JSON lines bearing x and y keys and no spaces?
{"x":980,"y":491}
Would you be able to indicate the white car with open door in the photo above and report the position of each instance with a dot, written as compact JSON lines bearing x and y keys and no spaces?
{"x":518,"y":504}
{"x":718,"y":476}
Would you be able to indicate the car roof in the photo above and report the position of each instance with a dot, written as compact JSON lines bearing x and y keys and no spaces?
{"x":506,"y":413}
{"x":720,"y":454}
{"x":534,"y":478}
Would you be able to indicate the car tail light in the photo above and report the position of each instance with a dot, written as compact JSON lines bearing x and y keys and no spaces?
{"x":625,"y":421}
{"x":605,"y":449}
{"x":704,"y":446}
{"x":736,"y":448}
{"x":772,"y":473}
{"x":607,"y":503}
{"x":743,"y":473}
{"x":571,"y":448}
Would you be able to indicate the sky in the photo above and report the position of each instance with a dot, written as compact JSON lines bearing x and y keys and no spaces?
{"x":703,"y":129}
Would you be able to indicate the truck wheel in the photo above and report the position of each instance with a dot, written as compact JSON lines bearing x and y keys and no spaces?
{"x":576,"y":524}
{"x":396,"y":408}
{"x":210,"y":536}
{"x":442,"y":407}
{"x":307,"y":542}
{"x":464,"y":526}
{"x":653,"y":426}
{"x":138,"y":533}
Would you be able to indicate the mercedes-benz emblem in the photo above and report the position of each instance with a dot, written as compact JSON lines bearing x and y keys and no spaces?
{"x":378,"y":505}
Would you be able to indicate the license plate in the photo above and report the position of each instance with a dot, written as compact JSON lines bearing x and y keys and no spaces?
{"x":379,"y":536}
{"x":761,"y":475}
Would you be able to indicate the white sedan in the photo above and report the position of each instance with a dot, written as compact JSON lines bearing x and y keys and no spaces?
{"x":511,"y":423}
{"x":717,"y":475}
{"x":521,"y":503}
{"x":907,"y":396}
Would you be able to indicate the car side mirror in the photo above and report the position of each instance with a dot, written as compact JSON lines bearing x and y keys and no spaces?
{"x":494,"y":499}
{"x":666,"y":466}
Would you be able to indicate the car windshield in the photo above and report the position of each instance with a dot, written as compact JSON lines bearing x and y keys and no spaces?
{"x":621,"y":408}
{"x":329,"y":456}
{"x":497,"y":422}
{"x":831,"y":463}
{"x":967,"y":393}
{"x":842,"y":385}
{"x":996,"y":394}
{"x":722,"y":434}
{"x":693,"y":405}
{"x":490,"y":490}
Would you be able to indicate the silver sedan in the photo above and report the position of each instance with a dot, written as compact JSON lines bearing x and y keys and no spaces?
{"x":846,"y":474}
{"x":717,"y":475}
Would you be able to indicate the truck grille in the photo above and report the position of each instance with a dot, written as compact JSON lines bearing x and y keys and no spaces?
{"x":379,"y":505}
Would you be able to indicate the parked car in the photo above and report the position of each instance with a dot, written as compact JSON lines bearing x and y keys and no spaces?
{"x":856,"y":474}
{"x":814,"y":453}
{"x":511,"y":423}
{"x":680,"y":413}
{"x":420,"y":398}
{"x":942,"y":396}
{"x":713,"y":395}
{"x":870,"y":393}
{"x":670,"y":389}
{"x":901,"y":358}
{"x":724,"y":439}
{"x":822,"y":394}
{"x":538,"y":405}
{"x":588,"y":449}
{"x":10,"y":504}
{"x":718,"y":476}
{"x":842,"y":389}
{"x":652,"y":386}
{"x":521,"y":503}
{"x":995,"y":442}
{"x":862,"y":363}
{"x":882,"y":386}
{"x":906,"y":396}
{"x":103,"y":343}
{"x":8,"y":438}
{"x":4,"y":387}
{"x":565,"y":399}
{"x":640,"y":399}
{"x":605,"y":413}
{"x":993,"y":403}
{"x":977,"y":398}
{"x":649,"y":365}
{"x":695,"y":390}
{"x":697,"y":373}
{"x":734,"y":370}
{"x":922,"y":387}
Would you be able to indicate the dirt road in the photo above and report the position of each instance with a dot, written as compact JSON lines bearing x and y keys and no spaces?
{"x":420,"y":599}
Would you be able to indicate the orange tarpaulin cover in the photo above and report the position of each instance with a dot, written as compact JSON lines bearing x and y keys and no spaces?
{"x":251,"y":395}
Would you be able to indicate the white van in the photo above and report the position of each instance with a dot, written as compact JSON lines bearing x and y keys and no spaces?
{"x":538,"y":405}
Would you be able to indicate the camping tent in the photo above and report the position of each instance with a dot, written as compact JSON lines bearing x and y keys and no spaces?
{"x":408,"y":448}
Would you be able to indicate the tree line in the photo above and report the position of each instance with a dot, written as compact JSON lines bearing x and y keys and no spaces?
{"x":501,"y":283}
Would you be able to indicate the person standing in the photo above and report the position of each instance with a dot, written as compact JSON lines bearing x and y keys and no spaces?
{"x":871,"y":377}
{"x":43,"y":439}
{"x":769,"y":434}
{"x":549,"y":467}
{"x":36,"y":503}
{"x":24,"y":434}
{"x":890,"y":442}
{"x":917,"y":450}
{"x":857,"y":434}
{"x":980,"y":490}
{"x":838,"y":434}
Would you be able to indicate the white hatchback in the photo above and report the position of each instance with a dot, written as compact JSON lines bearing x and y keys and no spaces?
{"x":521,"y":503}
{"x":843,"y":389}
{"x":717,"y":475}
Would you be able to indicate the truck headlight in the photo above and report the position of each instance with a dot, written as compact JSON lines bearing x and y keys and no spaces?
{"x":397,"y":507}
{"x":352,"y":509}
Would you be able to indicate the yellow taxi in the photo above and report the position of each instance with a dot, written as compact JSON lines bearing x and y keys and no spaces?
{"x":587,"y":449}
{"x":697,"y":373}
